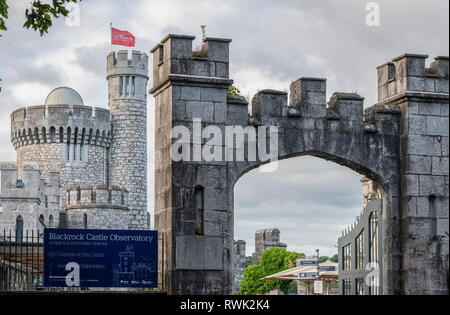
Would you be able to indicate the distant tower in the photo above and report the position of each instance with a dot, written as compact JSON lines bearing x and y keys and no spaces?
{"x":127,"y":85}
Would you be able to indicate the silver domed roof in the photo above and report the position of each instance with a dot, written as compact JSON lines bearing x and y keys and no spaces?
{"x":64,"y":96}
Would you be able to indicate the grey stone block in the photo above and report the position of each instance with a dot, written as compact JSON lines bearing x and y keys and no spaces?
{"x":419,"y":164}
{"x":437,"y":126}
{"x":440,"y":166}
{"x":417,"y":124}
{"x":213,"y":95}
{"x":189,"y":93}
{"x":426,"y":108}
{"x":199,"y":253}
{"x":424,"y":145}
{"x":431,"y":185}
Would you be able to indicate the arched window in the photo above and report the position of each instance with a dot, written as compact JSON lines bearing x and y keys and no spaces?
{"x":78,"y":195}
{"x":91,"y":133}
{"x":50,"y":221}
{"x":97,"y":137}
{"x":41,"y":221}
{"x":61,"y":134}
{"x":83,"y":137}
{"x":44,"y":135}
{"x":199,"y":199}
{"x":19,"y":229}
{"x":75,"y":142}
{"x":69,"y":135}
{"x":30,"y":137}
{"x":52,"y":134}
{"x":93,"y":196}
{"x":36,"y":135}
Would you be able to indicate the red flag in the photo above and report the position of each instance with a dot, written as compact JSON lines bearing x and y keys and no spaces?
{"x":123,"y":38}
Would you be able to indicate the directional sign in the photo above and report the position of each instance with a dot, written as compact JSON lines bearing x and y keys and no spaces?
{"x":318,"y":287}
{"x":327,"y":268}
{"x":303,"y":275}
{"x":100,"y":258}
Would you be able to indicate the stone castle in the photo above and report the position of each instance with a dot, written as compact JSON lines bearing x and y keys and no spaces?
{"x":79,"y":166}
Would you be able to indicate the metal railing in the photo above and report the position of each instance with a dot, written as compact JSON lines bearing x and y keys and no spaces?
{"x":21,"y":260}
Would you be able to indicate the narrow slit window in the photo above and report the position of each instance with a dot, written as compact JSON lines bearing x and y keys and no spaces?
{"x":127,"y":84}
{"x":199,"y":210}
{"x":161,"y":53}
{"x":120,"y":86}
{"x":133,"y":87}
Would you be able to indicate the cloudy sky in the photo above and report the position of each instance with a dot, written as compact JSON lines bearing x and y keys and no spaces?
{"x":274,"y":43}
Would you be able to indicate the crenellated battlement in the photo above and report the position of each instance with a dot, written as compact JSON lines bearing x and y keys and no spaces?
{"x":307,"y":103}
{"x":60,"y":124}
{"x":408,"y":73}
{"x":127,"y":78}
{"x":119,"y":64}
{"x":175,"y":56}
{"x":97,"y":197}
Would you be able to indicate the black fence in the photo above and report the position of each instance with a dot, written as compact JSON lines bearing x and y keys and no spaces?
{"x":21,"y":261}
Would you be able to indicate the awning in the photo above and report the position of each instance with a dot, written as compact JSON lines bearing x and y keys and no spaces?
{"x":292,"y":274}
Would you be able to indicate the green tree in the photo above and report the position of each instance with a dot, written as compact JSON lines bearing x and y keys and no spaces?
{"x":272,"y":261}
{"x":335,"y":258}
{"x":323,"y":259}
{"x":39,"y":16}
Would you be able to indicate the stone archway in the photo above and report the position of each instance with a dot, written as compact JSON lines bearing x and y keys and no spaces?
{"x":190,"y":92}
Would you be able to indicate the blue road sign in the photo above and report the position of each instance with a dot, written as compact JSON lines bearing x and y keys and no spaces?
{"x":100,"y":258}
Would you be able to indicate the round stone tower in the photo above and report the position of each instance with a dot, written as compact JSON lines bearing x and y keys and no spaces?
{"x":63,"y":136}
{"x":127,"y":91}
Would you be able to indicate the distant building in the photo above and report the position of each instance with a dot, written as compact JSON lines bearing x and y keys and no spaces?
{"x":360,"y":248}
{"x":265,"y":239}
{"x":239,"y":264}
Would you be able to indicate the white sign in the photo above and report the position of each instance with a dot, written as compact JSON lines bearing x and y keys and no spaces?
{"x":318,"y":287}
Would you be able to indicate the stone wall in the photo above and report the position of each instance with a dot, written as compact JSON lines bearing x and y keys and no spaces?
{"x":422,"y":95}
{"x":34,"y":200}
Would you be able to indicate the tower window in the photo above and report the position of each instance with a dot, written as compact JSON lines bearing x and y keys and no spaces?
{"x":52,"y":135}
{"x":78,"y":195}
{"x":120,"y":86}
{"x":127,"y":83}
{"x":199,"y":210}
{"x":133,"y":87}
{"x":161,"y":53}
{"x":19,"y":229}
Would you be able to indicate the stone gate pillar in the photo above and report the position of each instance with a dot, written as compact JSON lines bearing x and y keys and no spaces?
{"x":192,"y":213}
{"x":422,"y":94}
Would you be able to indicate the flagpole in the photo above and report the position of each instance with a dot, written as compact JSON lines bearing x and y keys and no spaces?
{"x":110,"y":33}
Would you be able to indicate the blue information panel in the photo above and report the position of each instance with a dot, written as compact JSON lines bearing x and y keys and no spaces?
{"x":100,"y":258}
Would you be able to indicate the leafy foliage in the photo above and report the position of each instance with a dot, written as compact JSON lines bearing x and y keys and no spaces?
{"x":272,"y":261}
{"x":323,"y":259}
{"x":233,"y":90}
{"x":39,"y":16}
{"x":334,"y":258}
{"x":3,"y":15}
